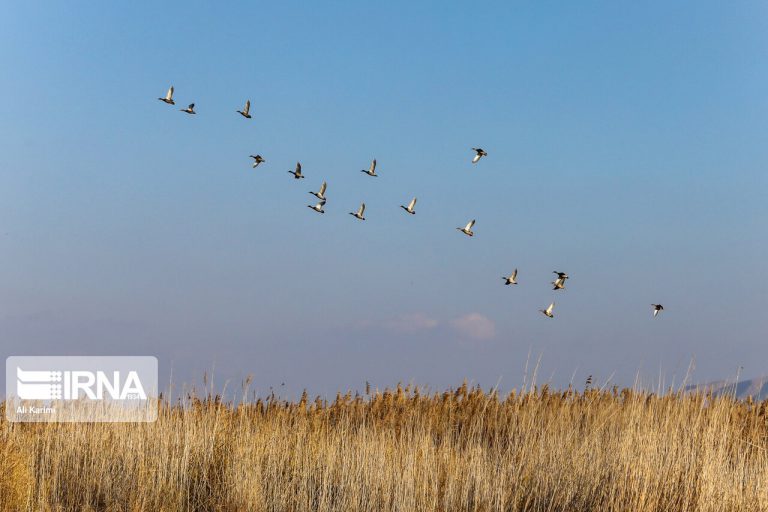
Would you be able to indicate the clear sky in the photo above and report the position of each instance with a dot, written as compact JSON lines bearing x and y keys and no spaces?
{"x":627,"y":146}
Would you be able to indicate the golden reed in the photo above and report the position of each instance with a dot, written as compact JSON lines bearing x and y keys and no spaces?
{"x":403,"y":450}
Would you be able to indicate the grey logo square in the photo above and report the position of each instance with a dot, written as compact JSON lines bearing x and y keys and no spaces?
{"x":81,"y":388}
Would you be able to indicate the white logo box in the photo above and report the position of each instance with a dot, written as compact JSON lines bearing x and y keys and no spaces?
{"x":81,"y":389}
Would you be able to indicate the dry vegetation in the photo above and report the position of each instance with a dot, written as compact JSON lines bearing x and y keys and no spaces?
{"x":403,"y":451}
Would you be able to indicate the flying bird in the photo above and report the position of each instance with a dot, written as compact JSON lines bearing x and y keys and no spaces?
{"x":467,"y":230}
{"x":479,"y":153}
{"x":257,"y":159}
{"x":359,"y":213}
{"x":559,"y":283}
{"x":657,"y":308}
{"x":560,"y":275}
{"x":548,"y":311}
{"x":320,"y":194}
{"x":318,"y":207}
{"x":245,"y":112}
{"x":297,"y":173}
{"x":512,"y":279}
{"x":190,"y":109}
{"x":168,"y":97}
{"x":410,"y":207}
{"x":371,"y":170}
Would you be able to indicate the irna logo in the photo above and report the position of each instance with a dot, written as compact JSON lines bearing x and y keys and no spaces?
{"x":79,"y":389}
{"x":74,"y":385}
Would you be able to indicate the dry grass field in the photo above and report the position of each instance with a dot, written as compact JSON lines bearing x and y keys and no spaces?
{"x":402,"y":450}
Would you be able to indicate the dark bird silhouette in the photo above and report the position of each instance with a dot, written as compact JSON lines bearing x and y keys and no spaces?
{"x":257,"y":159}
{"x":479,"y":153}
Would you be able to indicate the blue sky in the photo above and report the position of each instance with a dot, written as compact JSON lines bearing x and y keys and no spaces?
{"x":627,"y":146}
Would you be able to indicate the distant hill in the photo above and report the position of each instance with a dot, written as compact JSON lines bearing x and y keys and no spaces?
{"x":757,"y":388}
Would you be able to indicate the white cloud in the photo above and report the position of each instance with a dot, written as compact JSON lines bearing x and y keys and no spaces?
{"x":475,"y":326}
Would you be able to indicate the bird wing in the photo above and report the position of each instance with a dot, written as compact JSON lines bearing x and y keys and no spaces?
{"x":247,"y":106}
{"x":169,"y":94}
{"x":361,"y":210}
{"x":514,"y":275}
{"x":191,"y":106}
{"x":475,"y":159}
{"x":550,"y":308}
{"x":298,"y":168}
{"x":372,"y":170}
{"x":412,"y":204}
{"x":470,"y":224}
{"x":322,"y":188}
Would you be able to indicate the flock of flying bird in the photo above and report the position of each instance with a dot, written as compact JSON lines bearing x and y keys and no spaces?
{"x":558,"y":283}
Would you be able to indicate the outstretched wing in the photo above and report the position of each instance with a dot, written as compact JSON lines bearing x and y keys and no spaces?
{"x":470,"y":224}
{"x":247,"y":106}
{"x":361,"y":211}
{"x":298,"y":168}
{"x":322,"y":188}
{"x":412,"y":204}
{"x":550,"y":308}
{"x":169,"y":94}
